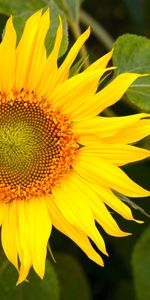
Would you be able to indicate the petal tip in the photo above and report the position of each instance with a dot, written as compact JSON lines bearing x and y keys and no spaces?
{"x":138,"y":221}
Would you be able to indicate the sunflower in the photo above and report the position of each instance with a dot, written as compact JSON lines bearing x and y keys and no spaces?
{"x":59,"y":160}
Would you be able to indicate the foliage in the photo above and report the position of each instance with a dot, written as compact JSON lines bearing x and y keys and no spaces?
{"x":141,"y":266}
{"x":65,"y":272}
{"x":35,"y":288}
{"x":132,"y":54}
{"x":71,"y":274}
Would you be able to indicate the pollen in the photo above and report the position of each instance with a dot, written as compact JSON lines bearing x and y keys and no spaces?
{"x":37,"y":147}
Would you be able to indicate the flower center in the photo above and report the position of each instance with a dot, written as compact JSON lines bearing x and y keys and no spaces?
{"x":37,"y":148}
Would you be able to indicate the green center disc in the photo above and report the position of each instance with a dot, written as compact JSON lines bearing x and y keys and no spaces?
{"x":25,"y":144}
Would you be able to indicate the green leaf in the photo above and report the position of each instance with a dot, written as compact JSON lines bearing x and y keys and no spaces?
{"x":38,"y":289}
{"x":73,"y":282}
{"x":141,"y":266}
{"x":21,"y":10}
{"x":132,"y":54}
{"x":16,"y":6}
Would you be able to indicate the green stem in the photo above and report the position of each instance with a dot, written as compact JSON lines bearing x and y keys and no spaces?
{"x":102,"y":35}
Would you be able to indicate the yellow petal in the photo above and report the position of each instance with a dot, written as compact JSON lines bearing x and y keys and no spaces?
{"x":131,"y":134}
{"x":23,"y":272}
{"x":104,"y":127}
{"x":102,"y":172}
{"x":25,"y":49}
{"x":38,"y":57}
{"x":119,"y":154}
{"x":76,"y":89}
{"x":105,"y":219}
{"x":67,"y":200}
{"x":9,"y":232}
{"x":101,"y":63}
{"x":35,"y":228}
{"x":40,"y":229}
{"x":8,"y":58}
{"x":64,"y":69}
{"x":116,"y":89}
{"x":50,"y":69}
{"x":101,"y":214}
{"x":114,"y":202}
{"x":24,"y":242}
{"x":73,"y":233}
{"x":106,"y":97}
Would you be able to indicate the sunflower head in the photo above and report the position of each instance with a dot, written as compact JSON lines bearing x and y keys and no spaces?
{"x":59,"y":160}
{"x":37,"y":147}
